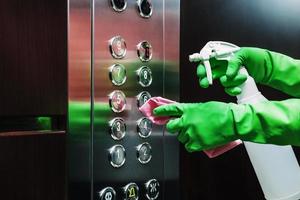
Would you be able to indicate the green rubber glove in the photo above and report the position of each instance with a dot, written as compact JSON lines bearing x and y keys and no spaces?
{"x":204,"y":126}
{"x":266,"y":67}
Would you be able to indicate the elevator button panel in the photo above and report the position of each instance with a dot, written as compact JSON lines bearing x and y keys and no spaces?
{"x":107,"y":193}
{"x":144,"y":127}
{"x":118,"y":5}
{"x":152,"y":189}
{"x":142,"y":98}
{"x":131,"y":192}
{"x":117,"y":47}
{"x":117,"y":128}
{"x":144,"y":153}
{"x":123,"y":158}
{"x":117,"y":74}
{"x":117,"y":101}
{"x":117,"y":156}
{"x":145,"y":8}
{"x":144,"y":76}
{"x":144,"y":51}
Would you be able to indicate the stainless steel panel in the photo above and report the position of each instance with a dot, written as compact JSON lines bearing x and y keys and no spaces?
{"x":79,"y":95}
{"x":171,"y":91}
{"x":91,"y":86}
{"x":134,"y":29}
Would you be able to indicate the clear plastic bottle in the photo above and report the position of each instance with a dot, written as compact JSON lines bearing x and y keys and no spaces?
{"x":276,"y":167}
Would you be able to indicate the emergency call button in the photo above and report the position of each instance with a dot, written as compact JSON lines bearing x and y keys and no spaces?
{"x":152,"y":189}
{"x":131,"y":191}
{"x":117,"y":128}
{"x":142,"y":98}
{"x":144,"y":76}
{"x":117,"y":101}
{"x":144,"y":153}
{"x":117,"y":155}
{"x":117,"y":74}
{"x":144,"y":51}
{"x":117,"y":47}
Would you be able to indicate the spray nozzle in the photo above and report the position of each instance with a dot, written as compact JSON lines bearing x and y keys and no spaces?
{"x":214,"y":49}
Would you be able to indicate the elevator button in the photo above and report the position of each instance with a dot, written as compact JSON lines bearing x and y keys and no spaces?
{"x":144,"y":76}
{"x":117,"y":155}
{"x":117,"y":74}
{"x":117,"y":47}
{"x":152,"y":189}
{"x":145,"y":8}
{"x":131,"y":191}
{"x":144,"y":127}
{"x":142,"y":98}
{"x":144,"y":51}
{"x":107,"y":194}
{"x":117,"y":128}
{"x":118,"y":5}
{"x":144,"y":153}
{"x":117,"y":101}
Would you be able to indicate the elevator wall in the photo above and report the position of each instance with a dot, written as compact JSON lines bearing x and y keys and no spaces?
{"x":33,"y":84}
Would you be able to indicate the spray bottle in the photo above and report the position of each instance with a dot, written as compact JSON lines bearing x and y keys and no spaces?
{"x":276,"y":167}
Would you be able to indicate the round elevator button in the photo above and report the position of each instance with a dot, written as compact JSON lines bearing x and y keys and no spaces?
{"x":118,"y":5}
{"x":142,"y":98}
{"x":117,"y":155}
{"x":144,"y":153}
{"x":145,"y":8}
{"x":131,"y":191}
{"x":152,"y":189}
{"x":117,"y":47}
{"x":117,"y":74}
{"x":144,"y":76}
{"x":107,"y":194}
{"x":117,"y":101}
{"x":144,"y":127}
{"x":117,"y":128}
{"x":144,"y":51}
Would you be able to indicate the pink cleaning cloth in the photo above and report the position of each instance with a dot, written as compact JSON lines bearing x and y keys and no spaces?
{"x":154,"y":102}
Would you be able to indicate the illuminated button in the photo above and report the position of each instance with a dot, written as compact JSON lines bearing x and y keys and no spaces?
{"x":118,"y":5}
{"x":144,"y":51}
{"x":144,"y":76}
{"x":131,"y":191}
{"x":145,"y":8}
{"x":152,"y":189}
{"x":117,"y":128}
{"x":107,"y":194}
{"x":117,"y":74}
{"x":117,"y":47}
{"x":144,"y":153}
{"x":117,"y":155}
{"x":144,"y":127}
{"x":142,"y":98}
{"x":117,"y":101}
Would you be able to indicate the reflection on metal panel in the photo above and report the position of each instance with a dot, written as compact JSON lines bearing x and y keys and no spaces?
{"x":110,"y":75}
{"x":79,"y":93}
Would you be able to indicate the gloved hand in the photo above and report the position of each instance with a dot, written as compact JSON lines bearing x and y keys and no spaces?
{"x":266,"y":67}
{"x":202,"y":126}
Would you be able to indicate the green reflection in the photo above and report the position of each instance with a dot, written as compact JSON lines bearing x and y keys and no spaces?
{"x":79,"y":117}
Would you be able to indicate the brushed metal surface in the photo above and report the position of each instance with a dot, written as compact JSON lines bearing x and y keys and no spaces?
{"x":79,"y":100}
{"x":134,"y":29}
{"x":90,"y":86}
